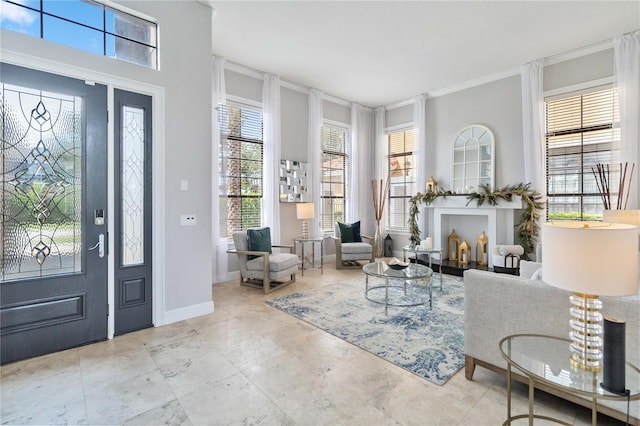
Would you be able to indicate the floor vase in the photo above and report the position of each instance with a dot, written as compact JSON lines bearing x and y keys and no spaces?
{"x":377,"y":241}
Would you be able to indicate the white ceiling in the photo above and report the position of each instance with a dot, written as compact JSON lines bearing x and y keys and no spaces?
{"x":383,"y":52}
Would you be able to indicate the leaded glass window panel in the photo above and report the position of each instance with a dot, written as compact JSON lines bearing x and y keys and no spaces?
{"x":41,"y":172}
{"x":132,"y":166}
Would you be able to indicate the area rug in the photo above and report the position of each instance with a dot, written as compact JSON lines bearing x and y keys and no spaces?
{"x":426,"y":342}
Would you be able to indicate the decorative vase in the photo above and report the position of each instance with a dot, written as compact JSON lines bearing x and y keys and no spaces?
{"x":377,"y":241}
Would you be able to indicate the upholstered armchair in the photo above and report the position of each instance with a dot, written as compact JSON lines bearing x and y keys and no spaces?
{"x":350,"y":249}
{"x":259,"y":267}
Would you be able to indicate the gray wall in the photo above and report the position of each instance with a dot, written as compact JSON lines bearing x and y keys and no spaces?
{"x":185,"y":75}
{"x":497,"y":105}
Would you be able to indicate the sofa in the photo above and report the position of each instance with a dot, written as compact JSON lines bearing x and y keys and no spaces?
{"x":499,"y":305}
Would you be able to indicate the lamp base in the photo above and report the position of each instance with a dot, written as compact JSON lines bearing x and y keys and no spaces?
{"x":305,"y":229}
{"x":586,"y":332}
{"x":613,"y":374}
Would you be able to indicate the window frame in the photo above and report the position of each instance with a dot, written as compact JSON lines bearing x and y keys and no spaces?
{"x":406,"y":184}
{"x":345,"y":131}
{"x":106,"y":7}
{"x":225,"y":176}
{"x":585,"y":174}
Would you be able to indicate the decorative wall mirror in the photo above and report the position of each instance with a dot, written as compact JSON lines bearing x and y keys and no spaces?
{"x":472,"y":159}
{"x":293,"y":181}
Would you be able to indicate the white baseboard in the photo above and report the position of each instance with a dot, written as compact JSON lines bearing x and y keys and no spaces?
{"x":192,"y":311}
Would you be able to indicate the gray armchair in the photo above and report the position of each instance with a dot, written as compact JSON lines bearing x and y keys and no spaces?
{"x":349,"y":254}
{"x":269,"y":271}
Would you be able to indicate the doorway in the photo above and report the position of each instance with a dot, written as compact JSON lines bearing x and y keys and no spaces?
{"x":54,"y":267}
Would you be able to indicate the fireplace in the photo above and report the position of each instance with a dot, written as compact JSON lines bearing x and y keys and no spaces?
{"x":470,"y":221}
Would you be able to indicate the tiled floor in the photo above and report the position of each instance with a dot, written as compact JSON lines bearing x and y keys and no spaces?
{"x":248,"y":363}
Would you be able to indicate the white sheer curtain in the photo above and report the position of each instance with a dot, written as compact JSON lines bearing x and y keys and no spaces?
{"x":271,"y":144}
{"x":360,"y":158}
{"x":627,"y":68}
{"x":219,"y":242}
{"x":314,"y":149}
{"x":533,"y":125}
{"x":380,"y":162}
{"x":420,"y":125}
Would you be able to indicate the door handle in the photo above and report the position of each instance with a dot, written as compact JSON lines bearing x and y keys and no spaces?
{"x":99,"y":245}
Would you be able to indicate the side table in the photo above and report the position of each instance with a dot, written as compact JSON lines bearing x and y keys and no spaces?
{"x":310,"y":258}
{"x":429,"y":252}
{"x":545,"y":360}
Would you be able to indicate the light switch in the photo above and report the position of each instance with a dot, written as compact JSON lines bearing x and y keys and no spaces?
{"x":184,"y":185}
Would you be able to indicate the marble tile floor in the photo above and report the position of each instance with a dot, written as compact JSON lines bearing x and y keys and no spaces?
{"x":250,"y":364}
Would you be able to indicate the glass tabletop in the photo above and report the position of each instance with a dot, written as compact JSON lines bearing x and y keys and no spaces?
{"x":419,"y":250}
{"x":414,"y":271}
{"x":546,"y":359}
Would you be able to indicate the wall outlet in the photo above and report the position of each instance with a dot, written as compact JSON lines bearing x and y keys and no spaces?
{"x":188,"y":220}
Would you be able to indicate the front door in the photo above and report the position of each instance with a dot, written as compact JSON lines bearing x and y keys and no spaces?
{"x":53,"y":254}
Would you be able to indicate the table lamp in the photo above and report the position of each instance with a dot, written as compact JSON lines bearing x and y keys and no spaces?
{"x":590,"y":259}
{"x":305,"y":211}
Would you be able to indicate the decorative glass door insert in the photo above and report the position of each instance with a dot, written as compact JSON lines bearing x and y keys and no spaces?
{"x":41,"y":171}
{"x":133,"y":169}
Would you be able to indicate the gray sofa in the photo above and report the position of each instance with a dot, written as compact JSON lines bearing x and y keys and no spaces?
{"x":498,"y":305}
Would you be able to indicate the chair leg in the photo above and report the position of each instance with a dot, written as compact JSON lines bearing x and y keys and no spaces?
{"x":266,"y":281}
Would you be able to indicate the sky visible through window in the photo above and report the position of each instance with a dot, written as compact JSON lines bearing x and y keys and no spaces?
{"x":22,"y":20}
{"x":84,"y":25}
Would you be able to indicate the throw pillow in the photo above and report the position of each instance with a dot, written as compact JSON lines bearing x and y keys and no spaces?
{"x":259,"y":240}
{"x":350,"y":232}
{"x":537,"y":275}
{"x":528,"y":268}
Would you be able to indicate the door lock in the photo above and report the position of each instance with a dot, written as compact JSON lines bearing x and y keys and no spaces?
{"x":99,"y":245}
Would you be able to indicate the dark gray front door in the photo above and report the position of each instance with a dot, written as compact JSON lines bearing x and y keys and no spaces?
{"x":53,"y":288}
{"x":133,"y":290}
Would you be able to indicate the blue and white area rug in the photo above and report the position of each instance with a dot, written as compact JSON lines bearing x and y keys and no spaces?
{"x":426,"y":342}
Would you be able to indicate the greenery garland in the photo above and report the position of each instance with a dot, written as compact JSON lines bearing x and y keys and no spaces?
{"x":526,"y":230}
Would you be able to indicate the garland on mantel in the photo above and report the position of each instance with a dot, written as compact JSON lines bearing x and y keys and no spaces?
{"x":526,"y":230}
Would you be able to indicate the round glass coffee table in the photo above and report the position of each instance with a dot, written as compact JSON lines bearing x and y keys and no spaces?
{"x":406,"y":287}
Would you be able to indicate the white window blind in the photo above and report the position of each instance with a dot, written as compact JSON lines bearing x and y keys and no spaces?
{"x":582,"y":130}
{"x":333,"y":182}
{"x":240,"y":168}
{"x":402,"y":178}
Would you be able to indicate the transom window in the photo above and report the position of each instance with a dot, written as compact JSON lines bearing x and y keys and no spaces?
{"x":335,"y":141}
{"x":240,"y":167}
{"x":581,"y":132}
{"x":402,"y":178}
{"x":86,"y":25}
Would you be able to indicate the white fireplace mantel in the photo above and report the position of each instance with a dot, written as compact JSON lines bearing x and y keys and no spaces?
{"x":461,"y":201}
{"x":500,"y":219}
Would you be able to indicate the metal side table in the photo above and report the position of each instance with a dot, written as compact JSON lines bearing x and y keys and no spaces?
{"x":310,"y":258}
{"x":545,"y":360}
{"x":429,"y":252}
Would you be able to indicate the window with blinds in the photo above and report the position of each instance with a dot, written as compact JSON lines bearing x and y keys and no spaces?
{"x":240,"y":167}
{"x":582,"y":130}
{"x":333,"y":182}
{"x":402,"y":178}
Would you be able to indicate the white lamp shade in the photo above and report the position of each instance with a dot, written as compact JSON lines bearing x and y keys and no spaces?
{"x":596,"y":258}
{"x":305,"y":211}
{"x":630,"y":217}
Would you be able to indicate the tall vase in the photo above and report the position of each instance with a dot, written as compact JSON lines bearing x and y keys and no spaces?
{"x":377,"y":241}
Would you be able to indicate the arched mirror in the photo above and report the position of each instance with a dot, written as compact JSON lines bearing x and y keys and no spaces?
{"x":472,"y":159}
